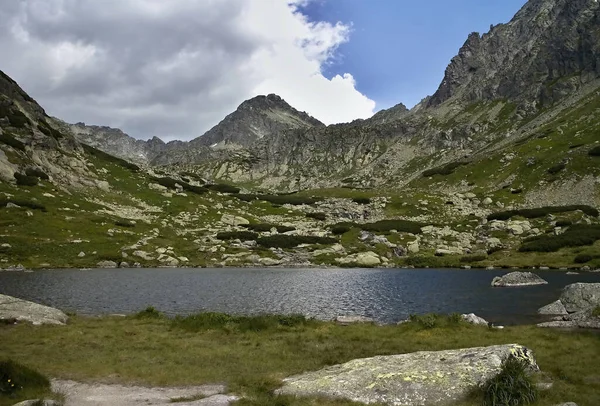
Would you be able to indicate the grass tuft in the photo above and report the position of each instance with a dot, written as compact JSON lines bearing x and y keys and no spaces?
{"x":513,"y":386}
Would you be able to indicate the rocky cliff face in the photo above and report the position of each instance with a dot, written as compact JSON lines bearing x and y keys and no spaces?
{"x":548,"y":50}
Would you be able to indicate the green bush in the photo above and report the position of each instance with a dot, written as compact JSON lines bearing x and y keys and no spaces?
{"x":473,"y":258}
{"x":583,"y":258}
{"x":15,"y":377}
{"x":24,"y":180}
{"x":594,"y":151}
{"x":265,"y":227}
{"x":109,"y":158}
{"x":148,"y":313}
{"x":383,"y":226}
{"x":542,"y":212}
{"x":513,"y":386}
{"x":192,"y":175}
{"x":361,"y":200}
{"x":16,"y":117}
{"x":339,"y":230}
{"x":11,"y":141}
{"x":317,"y":216}
{"x":553,"y":170}
{"x":213,"y":321}
{"x":433,"y":320}
{"x":121,"y":223}
{"x":36,"y":172}
{"x":291,"y":241}
{"x":170,"y":183}
{"x":237,"y":235}
{"x":278,"y":199}
{"x":444,"y":169}
{"x":223,"y":188}
{"x":23,"y":203}
{"x":576,"y":236}
{"x":563,"y":223}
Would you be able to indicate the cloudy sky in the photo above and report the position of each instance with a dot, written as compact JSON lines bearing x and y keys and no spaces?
{"x":175,"y":68}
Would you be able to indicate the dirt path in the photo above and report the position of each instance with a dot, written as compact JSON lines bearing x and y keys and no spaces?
{"x":81,"y":394}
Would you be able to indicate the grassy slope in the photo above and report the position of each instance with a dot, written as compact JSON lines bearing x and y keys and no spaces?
{"x":252,"y":363}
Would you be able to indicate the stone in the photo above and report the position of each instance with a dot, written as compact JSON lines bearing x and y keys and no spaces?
{"x":144,"y":255}
{"x":12,"y":308}
{"x":81,"y":254}
{"x":518,"y":279}
{"x":368,"y":258}
{"x":6,"y":245}
{"x":567,"y":404}
{"x":232,"y":220}
{"x":106,"y":264}
{"x":415,"y":379}
{"x":269,"y":261}
{"x":10,"y":205}
{"x":516,"y":229}
{"x":413,"y":247}
{"x":351,"y":319}
{"x":554,"y":308}
{"x":472,"y":318}
{"x":580,"y":296}
{"x":38,"y":402}
{"x":487,"y":201}
{"x":124,"y":265}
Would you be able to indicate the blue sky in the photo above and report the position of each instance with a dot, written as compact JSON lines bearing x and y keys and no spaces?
{"x":399,"y":49}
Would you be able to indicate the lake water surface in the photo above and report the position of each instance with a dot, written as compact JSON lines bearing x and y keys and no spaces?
{"x":386,"y":295}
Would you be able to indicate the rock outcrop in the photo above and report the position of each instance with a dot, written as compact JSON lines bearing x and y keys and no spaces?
{"x":518,"y":279}
{"x":416,"y":379}
{"x":580,"y":296}
{"x":581,"y":305}
{"x":14,"y":309}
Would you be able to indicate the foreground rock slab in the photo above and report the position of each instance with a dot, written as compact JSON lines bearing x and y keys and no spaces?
{"x":416,"y":379}
{"x":12,"y":308}
{"x":81,"y":394}
{"x":518,"y":279}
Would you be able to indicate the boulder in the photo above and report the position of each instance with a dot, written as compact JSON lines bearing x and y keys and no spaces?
{"x":368,"y":258}
{"x":580,"y":296}
{"x":12,"y":308}
{"x":474,"y":319}
{"x":518,"y":279}
{"x":157,"y":187}
{"x":554,"y":308}
{"x":415,"y":379}
{"x":232,"y":220}
{"x":106,"y":264}
{"x":269,"y":261}
{"x":413,"y":247}
{"x":144,"y":255}
{"x":487,"y":201}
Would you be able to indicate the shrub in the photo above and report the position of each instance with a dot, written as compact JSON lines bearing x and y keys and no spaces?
{"x":48,"y":130}
{"x":317,"y":216}
{"x":23,"y":203}
{"x":15,"y":377}
{"x":36,"y":172}
{"x":444,"y":169}
{"x":192,"y":175}
{"x":291,"y":241}
{"x":237,"y":235}
{"x":278,"y":199}
{"x":543,"y":211}
{"x":170,"y":183}
{"x":583,"y":258}
{"x":473,"y":258}
{"x":563,"y":223}
{"x":594,"y":151}
{"x":433,"y":320}
{"x":264,"y":227}
{"x":361,"y":200}
{"x":223,"y":188}
{"x":16,"y":118}
{"x":513,"y":386}
{"x":212,"y":321}
{"x":339,"y":230}
{"x":553,"y":170}
{"x":24,"y":180}
{"x":596,"y":311}
{"x":576,"y":236}
{"x":148,"y":313}
{"x":398,"y":225}
{"x":11,"y":141}
{"x":109,"y":158}
{"x":575,"y":146}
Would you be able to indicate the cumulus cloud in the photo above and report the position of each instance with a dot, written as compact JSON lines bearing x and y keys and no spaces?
{"x":173,"y":68}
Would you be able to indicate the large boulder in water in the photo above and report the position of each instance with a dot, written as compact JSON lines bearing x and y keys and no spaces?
{"x":580,"y":296}
{"x":518,"y":279}
{"x":416,"y":379}
{"x":12,"y":308}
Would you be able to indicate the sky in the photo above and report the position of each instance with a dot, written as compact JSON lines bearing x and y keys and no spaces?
{"x":174,"y":69}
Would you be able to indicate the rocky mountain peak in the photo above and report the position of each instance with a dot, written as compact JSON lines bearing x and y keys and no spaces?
{"x":549,"y":49}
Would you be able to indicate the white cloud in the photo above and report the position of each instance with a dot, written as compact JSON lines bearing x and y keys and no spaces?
{"x":173,"y":68}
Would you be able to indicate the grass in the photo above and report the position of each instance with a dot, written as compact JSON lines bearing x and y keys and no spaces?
{"x":513,"y":386}
{"x":19,"y":382}
{"x":252,"y":361}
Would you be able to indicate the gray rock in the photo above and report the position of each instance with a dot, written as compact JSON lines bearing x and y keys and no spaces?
{"x":35,"y":402}
{"x":106,"y":264}
{"x":12,"y":308}
{"x":232,"y":220}
{"x":580,"y":296}
{"x":518,"y":279}
{"x":554,"y":308}
{"x":350,"y":319}
{"x":474,"y":319}
{"x":415,"y":379}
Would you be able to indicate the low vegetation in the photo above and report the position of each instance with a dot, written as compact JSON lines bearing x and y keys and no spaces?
{"x":317,"y":216}
{"x":171,"y":184}
{"x":7,"y":139}
{"x":237,"y":235}
{"x":594,"y":151}
{"x":24,"y":180}
{"x":37,"y":173}
{"x":542,"y":212}
{"x":361,"y":200}
{"x":265,"y":227}
{"x":553,"y":170}
{"x":513,"y":386}
{"x":252,"y":355}
{"x":444,"y":170}
{"x":19,"y":382}
{"x":110,"y":158}
{"x":278,"y":199}
{"x":575,"y":236}
{"x":223,"y":188}
{"x":291,"y":241}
